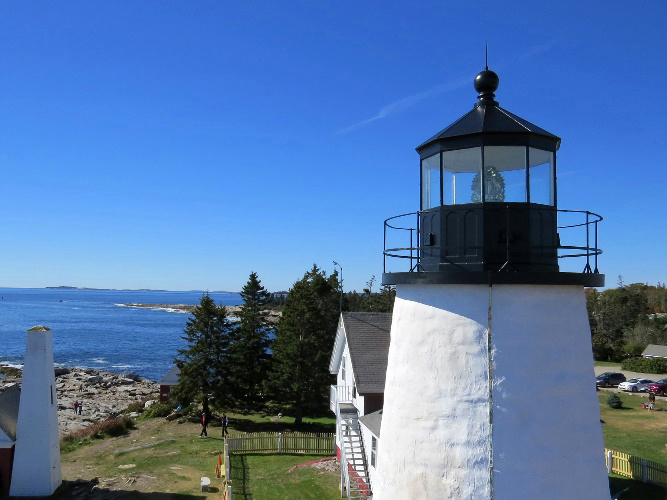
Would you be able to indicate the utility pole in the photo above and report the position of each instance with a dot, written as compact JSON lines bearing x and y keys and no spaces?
{"x":341,"y":285}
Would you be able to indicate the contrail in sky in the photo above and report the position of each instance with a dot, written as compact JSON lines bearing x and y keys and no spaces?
{"x":409,"y":101}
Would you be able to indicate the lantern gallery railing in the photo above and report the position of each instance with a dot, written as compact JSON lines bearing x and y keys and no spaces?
{"x":403,"y":240}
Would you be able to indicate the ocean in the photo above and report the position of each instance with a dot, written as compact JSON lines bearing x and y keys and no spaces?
{"x":92,"y":330}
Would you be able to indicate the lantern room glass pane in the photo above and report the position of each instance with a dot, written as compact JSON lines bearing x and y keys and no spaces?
{"x":431,"y":182}
{"x":541,"y":176}
{"x":505,"y":173}
{"x":462,"y":171}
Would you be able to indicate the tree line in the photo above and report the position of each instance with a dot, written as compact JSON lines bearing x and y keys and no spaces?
{"x":247,"y":362}
{"x":626,"y":319}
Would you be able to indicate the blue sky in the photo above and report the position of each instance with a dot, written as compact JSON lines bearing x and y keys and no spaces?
{"x":182,"y":145}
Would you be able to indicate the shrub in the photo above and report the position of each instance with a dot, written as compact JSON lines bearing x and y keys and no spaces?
{"x":108,"y":428}
{"x":137,"y":407}
{"x":158,"y":410}
{"x":614,"y":401}
{"x":645,"y":365}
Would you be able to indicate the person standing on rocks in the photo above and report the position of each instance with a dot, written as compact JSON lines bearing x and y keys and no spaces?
{"x":76,"y":407}
{"x":80,"y":406}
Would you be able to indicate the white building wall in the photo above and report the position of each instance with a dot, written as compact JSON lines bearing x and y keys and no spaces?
{"x":544,"y":424}
{"x":5,"y":440}
{"x":36,"y":469}
{"x":368,"y":440}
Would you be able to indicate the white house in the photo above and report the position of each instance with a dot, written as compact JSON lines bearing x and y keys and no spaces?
{"x":359,"y":359}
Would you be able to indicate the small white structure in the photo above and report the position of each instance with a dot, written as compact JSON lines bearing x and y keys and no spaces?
{"x":36,"y":470}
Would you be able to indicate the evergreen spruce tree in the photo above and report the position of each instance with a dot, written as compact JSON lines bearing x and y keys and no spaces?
{"x":249,"y":352}
{"x":304,"y":339}
{"x":203,"y":363}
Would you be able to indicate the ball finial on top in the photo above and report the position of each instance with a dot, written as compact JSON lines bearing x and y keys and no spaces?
{"x":486,"y":83}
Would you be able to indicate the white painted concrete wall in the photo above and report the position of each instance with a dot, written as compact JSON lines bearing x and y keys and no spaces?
{"x":435,"y":427}
{"x":547,"y":436}
{"x":439,"y":432}
{"x":37,"y":454}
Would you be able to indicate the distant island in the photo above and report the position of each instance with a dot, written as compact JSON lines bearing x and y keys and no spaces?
{"x":64,"y":287}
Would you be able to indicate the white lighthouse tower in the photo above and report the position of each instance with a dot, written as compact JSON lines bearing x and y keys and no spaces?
{"x":36,"y":470}
{"x":489,"y":390}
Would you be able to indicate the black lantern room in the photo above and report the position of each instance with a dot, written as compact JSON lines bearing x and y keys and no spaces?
{"x":489,"y":205}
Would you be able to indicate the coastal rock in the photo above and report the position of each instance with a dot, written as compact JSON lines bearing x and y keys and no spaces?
{"x":61,"y":370}
{"x":131,"y":375}
{"x":106,"y":398}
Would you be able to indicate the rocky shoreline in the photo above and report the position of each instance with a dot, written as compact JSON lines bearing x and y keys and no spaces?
{"x":103,"y":395}
{"x":272,"y":315}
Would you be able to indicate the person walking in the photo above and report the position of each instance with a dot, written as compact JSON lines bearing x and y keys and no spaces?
{"x":225,"y":423}
{"x":204,"y":423}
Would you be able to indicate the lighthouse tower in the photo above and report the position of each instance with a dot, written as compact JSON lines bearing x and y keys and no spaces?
{"x":489,"y":390}
{"x":36,"y":469}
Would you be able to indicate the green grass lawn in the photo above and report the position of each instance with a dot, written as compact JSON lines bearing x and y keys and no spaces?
{"x":266,"y":477}
{"x":635,"y":430}
{"x":606,"y":363}
{"x":139,"y":464}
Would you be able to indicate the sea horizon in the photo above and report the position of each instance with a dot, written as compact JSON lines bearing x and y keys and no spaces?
{"x":91,"y":328}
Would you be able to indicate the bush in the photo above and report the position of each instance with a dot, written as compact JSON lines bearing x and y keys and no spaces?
{"x":108,"y":428}
{"x":136,"y":407}
{"x":645,"y":365}
{"x":158,"y":410}
{"x":614,"y":401}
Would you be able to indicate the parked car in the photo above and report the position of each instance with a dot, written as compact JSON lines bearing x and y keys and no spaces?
{"x":658,"y":387}
{"x":607,"y":379}
{"x":635,"y":385}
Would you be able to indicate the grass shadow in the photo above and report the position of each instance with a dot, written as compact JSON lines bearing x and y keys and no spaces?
{"x":239,"y":473}
{"x":249,"y":425}
{"x":89,"y":489}
{"x":630,"y":489}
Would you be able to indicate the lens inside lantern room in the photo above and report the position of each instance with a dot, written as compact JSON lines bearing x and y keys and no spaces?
{"x":505,"y":177}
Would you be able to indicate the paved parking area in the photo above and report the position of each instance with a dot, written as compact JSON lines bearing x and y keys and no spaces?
{"x":628,"y":375}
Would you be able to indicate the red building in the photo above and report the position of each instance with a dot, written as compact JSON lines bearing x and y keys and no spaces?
{"x":9,"y":411}
{"x":169,"y":380}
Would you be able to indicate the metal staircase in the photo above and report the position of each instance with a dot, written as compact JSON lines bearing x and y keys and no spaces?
{"x":354,"y":467}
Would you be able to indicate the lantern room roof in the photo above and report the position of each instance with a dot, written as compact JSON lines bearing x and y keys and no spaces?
{"x":488,"y":123}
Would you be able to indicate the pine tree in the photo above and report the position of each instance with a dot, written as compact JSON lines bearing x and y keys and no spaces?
{"x":249,"y":353}
{"x":203,"y":364}
{"x":304,"y":339}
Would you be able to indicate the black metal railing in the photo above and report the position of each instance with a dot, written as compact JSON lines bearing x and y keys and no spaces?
{"x":588,"y":221}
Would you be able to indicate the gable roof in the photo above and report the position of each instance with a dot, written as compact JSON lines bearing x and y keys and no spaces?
{"x":171,"y":378}
{"x":373,"y":422}
{"x":367,"y":335}
{"x":656,"y":351}
{"x":9,"y":409}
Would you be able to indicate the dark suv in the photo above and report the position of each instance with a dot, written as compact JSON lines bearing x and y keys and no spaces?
{"x":608,"y":379}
